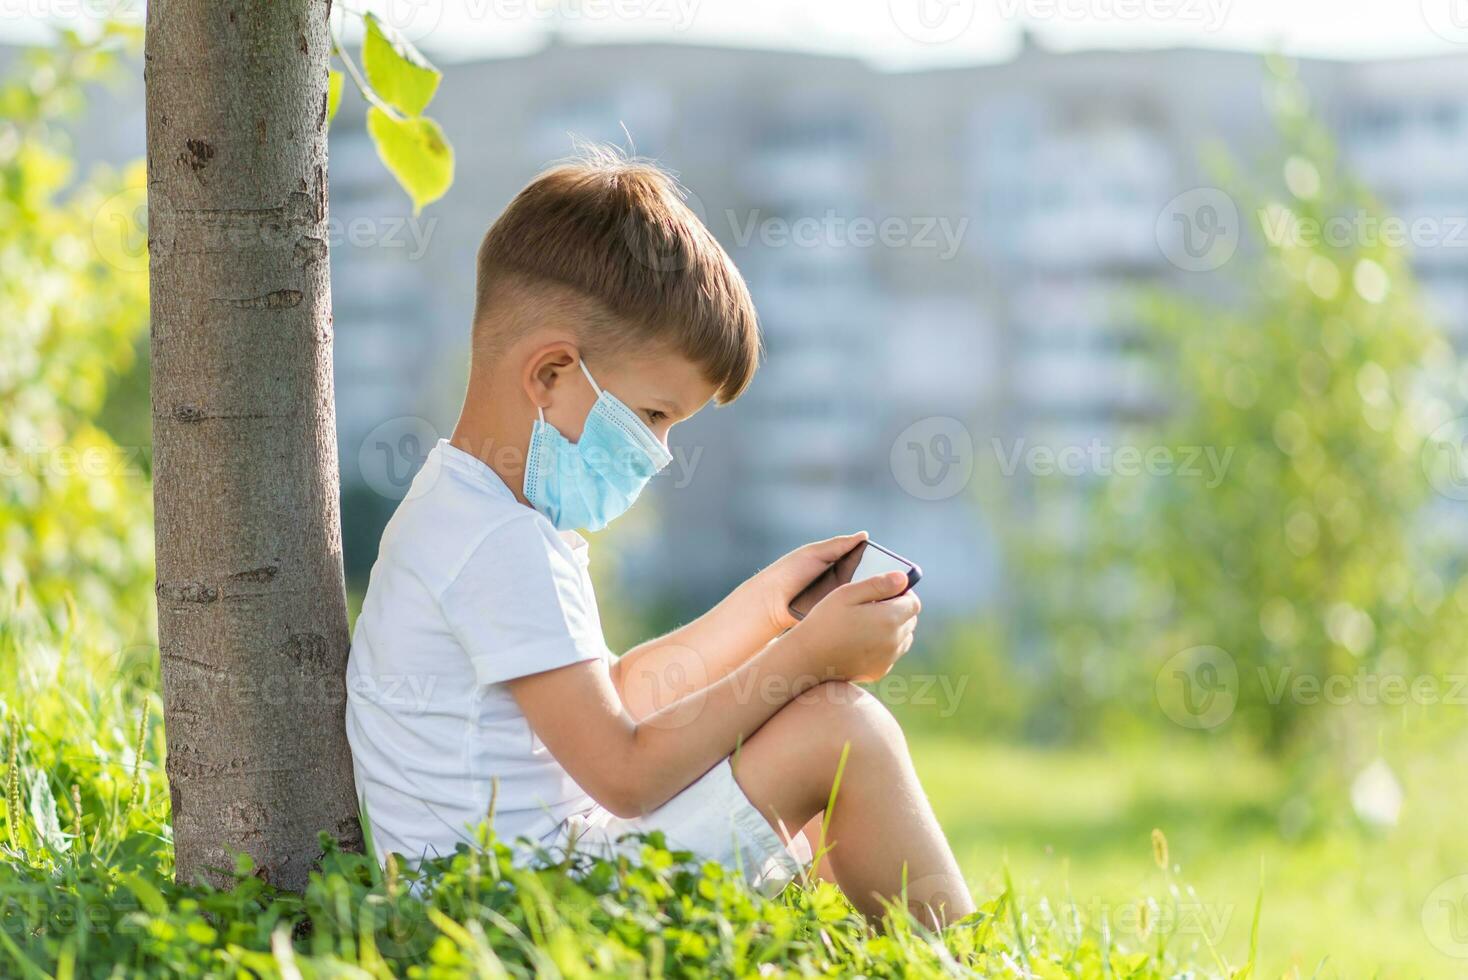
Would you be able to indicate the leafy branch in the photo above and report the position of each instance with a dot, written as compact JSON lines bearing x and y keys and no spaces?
{"x":397,"y":82}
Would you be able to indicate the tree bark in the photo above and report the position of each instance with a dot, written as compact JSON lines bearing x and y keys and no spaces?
{"x":252,"y":619}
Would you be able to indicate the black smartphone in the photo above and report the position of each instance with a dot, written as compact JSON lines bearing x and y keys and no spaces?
{"x":867,"y":560}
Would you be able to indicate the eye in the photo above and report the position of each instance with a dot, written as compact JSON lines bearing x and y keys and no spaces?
{"x":654,"y":416}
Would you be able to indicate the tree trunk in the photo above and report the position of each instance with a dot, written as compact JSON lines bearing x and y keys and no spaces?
{"x":252,"y":619}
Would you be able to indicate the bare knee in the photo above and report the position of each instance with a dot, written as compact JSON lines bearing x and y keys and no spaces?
{"x":789,"y":766}
{"x":811,"y":731}
{"x":836,"y":714}
{"x":837,"y":720}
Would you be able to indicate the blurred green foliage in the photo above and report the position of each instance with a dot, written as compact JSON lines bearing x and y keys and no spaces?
{"x":1312,"y":368}
{"x":75,"y":516}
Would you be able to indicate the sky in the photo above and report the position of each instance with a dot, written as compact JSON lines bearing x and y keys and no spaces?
{"x":891,"y":33}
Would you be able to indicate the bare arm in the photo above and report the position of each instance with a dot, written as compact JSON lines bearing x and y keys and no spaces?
{"x":632,"y":766}
{"x":657,"y":673}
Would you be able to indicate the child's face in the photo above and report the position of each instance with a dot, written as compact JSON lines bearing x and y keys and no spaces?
{"x":662,"y":388}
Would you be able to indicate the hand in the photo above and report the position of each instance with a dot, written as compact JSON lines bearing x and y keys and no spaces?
{"x":774,"y":586}
{"x":854,"y":633}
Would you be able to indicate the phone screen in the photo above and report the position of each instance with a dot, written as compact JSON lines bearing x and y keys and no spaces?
{"x":865,"y":561}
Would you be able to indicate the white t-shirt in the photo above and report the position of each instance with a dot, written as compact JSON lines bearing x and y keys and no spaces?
{"x":471,"y":588}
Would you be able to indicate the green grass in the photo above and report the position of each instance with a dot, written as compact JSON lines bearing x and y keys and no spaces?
{"x":86,"y":883}
{"x":1077,"y":823}
{"x":1058,"y":844}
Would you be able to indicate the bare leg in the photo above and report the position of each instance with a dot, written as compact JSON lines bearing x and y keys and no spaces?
{"x":881,"y":823}
{"x":822,"y":868}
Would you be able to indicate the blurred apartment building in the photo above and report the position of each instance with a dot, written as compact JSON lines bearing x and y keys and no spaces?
{"x":1023,"y":200}
{"x":1020,"y":204}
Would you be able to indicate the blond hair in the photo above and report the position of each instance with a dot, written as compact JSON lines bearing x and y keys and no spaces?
{"x":613,"y":239}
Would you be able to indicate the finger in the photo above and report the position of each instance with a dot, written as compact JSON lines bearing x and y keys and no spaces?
{"x":904,"y":608}
{"x":832,"y":548}
{"x":872,"y":589}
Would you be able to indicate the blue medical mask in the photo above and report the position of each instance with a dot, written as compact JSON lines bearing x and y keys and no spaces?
{"x":590,"y":483}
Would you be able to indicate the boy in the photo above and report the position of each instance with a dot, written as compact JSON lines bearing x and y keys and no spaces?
{"x":605,"y":314}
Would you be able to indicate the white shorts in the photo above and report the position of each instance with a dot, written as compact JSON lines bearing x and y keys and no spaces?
{"x":712,"y":818}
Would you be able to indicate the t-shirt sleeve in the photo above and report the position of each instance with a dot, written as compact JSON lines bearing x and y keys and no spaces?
{"x":518,"y":605}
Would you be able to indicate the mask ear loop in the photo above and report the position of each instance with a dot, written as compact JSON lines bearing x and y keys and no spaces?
{"x":594,"y":387}
{"x":584,"y":370}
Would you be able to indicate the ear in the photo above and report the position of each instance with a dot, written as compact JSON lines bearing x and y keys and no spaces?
{"x":546,"y":368}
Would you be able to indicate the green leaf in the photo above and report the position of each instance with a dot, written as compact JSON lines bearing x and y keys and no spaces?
{"x":149,"y":897}
{"x":334,"y":82}
{"x":43,"y":814}
{"x":397,"y":72}
{"x":415,"y":152}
